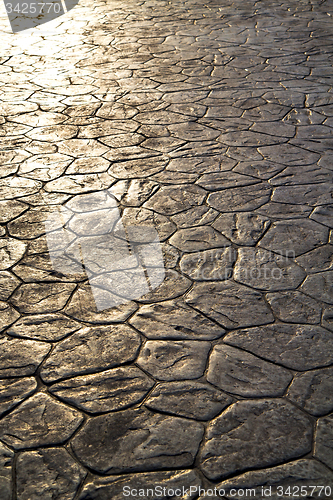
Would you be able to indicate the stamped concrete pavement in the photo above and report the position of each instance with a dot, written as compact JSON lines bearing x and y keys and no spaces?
{"x":211,"y":122}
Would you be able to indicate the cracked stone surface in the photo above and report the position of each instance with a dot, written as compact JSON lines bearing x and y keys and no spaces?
{"x":209,"y":126}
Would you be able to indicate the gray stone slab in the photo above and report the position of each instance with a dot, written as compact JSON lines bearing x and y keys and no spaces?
{"x":275,"y":431}
{"x":275,"y":481}
{"x":324,"y":215}
{"x":48,"y":473}
{"x":319,"y":286}
{"x":239,"y":372}
{"x":299,"y":347}
{"x":324,"y":441}
{"x":189,"y":399}
{"x":224,"y":180}
{"x":170,"y":200}
{"x":174,"y":319}
{"x":294,"y":237}
{"x":209,"y":265}
{"x":243,"y":228}
{"x":313,"y":391}
{"x":13,"y":391}
{"x":8,"y":315}
{"x":266,"y":270}
{"x":294,"y":307}
{"x":230,"y":304}
{"x":48,"y":327}
{"x":39,"y":421}
{"x":91,"y":349}
{"x":307,"y":194}
{"x":137,"y":440}
{"x":6,"y":463}
{"x":193,"y":239}
{"x":107,"y":391}
{"x":240,"y":199}
{"x":39,"y":298}
{"x":174,"y":360}
{"x":320,"y":259}
{"x":21,"y":357}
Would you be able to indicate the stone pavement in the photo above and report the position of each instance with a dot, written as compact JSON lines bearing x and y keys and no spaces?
{"x":211,"y":122}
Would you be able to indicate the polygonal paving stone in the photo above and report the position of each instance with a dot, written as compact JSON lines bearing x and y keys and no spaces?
{"x":6,"y":462}
{"x":209,"y":265}
{"x":21,"y":357}
{"x":173,"y":285}
{"x":14,"y":187}
{"x":88,"y":166}
{"x":115,"y":487}
{"x":47,"y":473}
{"x":39,"y":118}
{"x":244,"y":228}
{"x":288,"y":155}
{"x":196,"y":216}
{"x":261,"y":169}
{"x":319,"y":286}
{"x":308,"y":174}
{"x":137,"y":440}
{"x":45,"y":167}
{"x":39,"y":421}
{"x":8,"y":315}
{"x":33,"y":223}
{"x":135,"y":192}
{"x":47,"y":327}
{"x":11,"y":251}
{"x":82,"y":306}
{"x":299,"y":347}
{"x":141,"y":217}
{"x":307,"y":194}
{"x":170,"y":200}
{"x":275,"y":431}
{"x":239,"y":372}
{"x":42,"y":297}
{"x":230,"y":304}
{"x":294,"y":307}
{"x":74,"y":184}
{"x":192,"y":131}
{"x":198,"y":238}
{"x":241,"y":199}
{"x":249,"y":138}
{"x":276,"y":482}
{"x":44,"y":267}
{"x":294,"y":237}
{"x":174,"y":360}
{"x":13,"y":391}
{"x":324,"y":441}
{"x":9,"y":209}
{"x":265,"y":270}
{"x":137,"y":168}
{"x":323,"y":214}
{"x":189,"y":399}
{"x":107,"y":391}
{"x":91,"y":349}
{"x":313,"y":391}
{"x":284,"y":210}
{"x":8,"y":283}
{"x":53,"y":133}
{"x":79,"y":148}
{"x":320,"y":259}
{"x":174,"y":319}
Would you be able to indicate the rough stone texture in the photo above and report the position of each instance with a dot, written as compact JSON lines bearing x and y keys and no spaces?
{"x":112,"y":487}
{"x":174,"y":319}
{"x":243,"y":228}
{"x":137,"y":440}
{"x":294,"y":307}
{"x":174,"y":360}
{"x":239,"y":372}
{"x":299,"y":347}
{"x":294,"y":237}
{"x":39,"y":421}
{"x":295,"y":474}
{"x":275,"y":432}
{"x":13,"y":391}
{"x":210,"y":123}
{"x":91,"y":349}
{"x":266,"y":270}
{"x":107,"y":391}
{"x":188,"y":399}
{"x":21,"y":357}
{"x":324,"y":441}
{"x":313,"y":391}
{"x":230,"y":304}
{"x":48,"y":327}
{"x":209,"y":265}
{"x":6,"y":461}
{"x":47,"y":473}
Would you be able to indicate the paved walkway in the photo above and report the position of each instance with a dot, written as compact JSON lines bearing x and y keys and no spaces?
{"x":207,"y":127}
